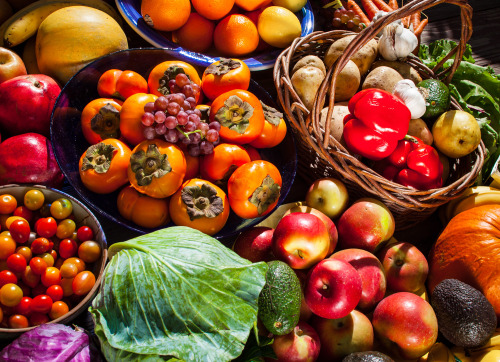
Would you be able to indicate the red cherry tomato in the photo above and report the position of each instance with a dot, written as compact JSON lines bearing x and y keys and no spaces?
{"x":46,"y":227}
{"x":26,"y":252}
{"x":68,"y":248}
{"x":18,"y":321}
{"x":78,"y":262}
{"x":38,"y":265}
{"x":24,"y":212}
{"x":24,"y":306}
{"x":55,"y":292}
{"x":41,"y":304}
{"x":37,"y":319}
{"x":8,"y":204}
{"x":51,"y":276}
{"x":84,"y":233}
{"x":16,"y":262}
{"x":6,"y":277}
{"x":67,"y":286}
{"x":68,"y":270}
{"x":83,"y":282}
{"x":20,"y":231}
{"x":58,"y":309}
{"x":29,"y":277}
{"x":40,"y":245}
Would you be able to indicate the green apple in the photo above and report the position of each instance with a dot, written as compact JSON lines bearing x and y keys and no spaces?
{"x":292,"y":5}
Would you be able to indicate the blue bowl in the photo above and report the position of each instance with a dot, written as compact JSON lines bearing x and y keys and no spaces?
{"x":131,"y":12}
{"x":69,"y":143}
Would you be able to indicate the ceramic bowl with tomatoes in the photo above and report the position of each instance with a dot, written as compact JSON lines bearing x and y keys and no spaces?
{"x":45,"y":237}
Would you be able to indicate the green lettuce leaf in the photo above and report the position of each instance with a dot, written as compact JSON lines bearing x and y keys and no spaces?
{"x":176,"y":293}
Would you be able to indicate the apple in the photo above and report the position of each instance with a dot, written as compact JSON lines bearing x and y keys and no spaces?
{"x":333,"y":288}
{"x":367,"y":224}
{"x":332,"y":229}
{"x":26,"y":104}
{"x":342,"y":336}
{"x":301,"y":240}
{"x":11,"y":65}
{"x":372,"y":275}
{"x":328,"y":195}
{"x":405,"y":324}
{"x":255,"y":244}
{"x":300,"y":345}
{"x":405,"y":266}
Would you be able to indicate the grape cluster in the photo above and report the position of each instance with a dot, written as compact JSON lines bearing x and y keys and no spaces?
{"x":176,"y":118}
{"x":347,"y":19}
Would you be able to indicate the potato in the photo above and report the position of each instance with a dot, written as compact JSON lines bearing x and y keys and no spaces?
{"x":313,"y":60}
{"x":382,"y":78}
{"x":418,"y":128}
{"x":306,"y":81}
{"x":364,"y":58}
{"x":337,"y":121}
{"x":348,"y":82}
{"x":406,"y":70}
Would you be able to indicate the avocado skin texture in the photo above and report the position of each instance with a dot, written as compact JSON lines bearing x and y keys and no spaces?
{"x":465,"y":317}
{"x":280,"y":299}
{"x":368,"y":356}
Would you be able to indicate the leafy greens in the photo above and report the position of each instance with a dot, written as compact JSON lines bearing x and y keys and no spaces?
{"x":176,"y":294}
{"x":477,"y":90}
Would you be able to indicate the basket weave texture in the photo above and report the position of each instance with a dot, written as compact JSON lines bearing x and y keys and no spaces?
{"x":321,"y":155}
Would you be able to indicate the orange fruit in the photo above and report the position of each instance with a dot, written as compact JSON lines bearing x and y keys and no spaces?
{"x":213,"y":9}
{"x":251,"y":5}
{"x":196,"y":35}
{"x":165,"y":15}
{"x":236,"y":35}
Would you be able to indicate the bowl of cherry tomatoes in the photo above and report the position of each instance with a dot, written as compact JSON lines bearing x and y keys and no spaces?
{"x":52,"y":256}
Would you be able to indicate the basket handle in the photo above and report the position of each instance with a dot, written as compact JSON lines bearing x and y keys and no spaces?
{"x":371,"y":32}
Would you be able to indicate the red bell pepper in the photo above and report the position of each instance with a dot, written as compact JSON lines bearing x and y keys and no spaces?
{"x":413,"y":164}
{"x":377,"y":121}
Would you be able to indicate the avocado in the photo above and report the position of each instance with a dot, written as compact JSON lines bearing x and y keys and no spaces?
{"x":368,"y":356}
{"x":437,"y":97}
{"x":465,"y":317}
{"x":280,"y":299}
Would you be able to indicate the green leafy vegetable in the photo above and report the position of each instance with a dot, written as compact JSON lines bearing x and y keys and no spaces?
{"x":477,"y":90}
{"x":176,"y":294}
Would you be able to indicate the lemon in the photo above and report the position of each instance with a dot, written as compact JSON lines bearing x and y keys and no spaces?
{"x":292,"y":5}
{"x":278,"y":26}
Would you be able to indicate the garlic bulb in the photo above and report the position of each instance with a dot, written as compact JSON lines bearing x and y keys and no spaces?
{"x":396,"y":42}
{"x":408,"y":92}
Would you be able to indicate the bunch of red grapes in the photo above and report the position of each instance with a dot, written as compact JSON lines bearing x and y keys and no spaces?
{"x":347,"y":19}
{"x":176,"y":118}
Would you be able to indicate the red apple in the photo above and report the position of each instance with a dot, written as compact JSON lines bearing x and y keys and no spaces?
{"x":301,"y":240}
{"x":255,"y":244}
{"x":333,"y":288}
{"x":11,"y":65}
{"x":332,"y":229}
{"x":300,"y":345}
{"x":26,"y":104}
{"x":405,"y":266}
{"x":371,"y":272}
{"x":342,"y":336}
{"x":366,"y":225}
{"x":405,"y":324}
{"x":328,"y":195}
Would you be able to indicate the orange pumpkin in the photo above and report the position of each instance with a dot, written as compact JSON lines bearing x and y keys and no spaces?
{"x":468,"y":249}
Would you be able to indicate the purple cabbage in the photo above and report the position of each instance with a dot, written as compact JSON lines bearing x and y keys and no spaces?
{"x":47,"y":343}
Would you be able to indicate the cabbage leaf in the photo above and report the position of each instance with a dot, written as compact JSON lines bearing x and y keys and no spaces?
{"x":176,"y":294}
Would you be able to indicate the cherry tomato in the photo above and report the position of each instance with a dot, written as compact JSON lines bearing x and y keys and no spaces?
{"x":6,"y":277}
{"x":34,"y":199}
{"x":20,"y":230}
{"x":51,"y":276}
{"x":89,"y":251}
{"x":46,"y":227}
{"x":78,"y":262}
{"x":40,"y":245}
{"x":67,"y":286}
{"x":68,"y":270}
{"x":18,"y":321}
{"x":26,"y":252}
{"x":38,"y":290}
{"x":68,"y":248}
{"x":37,"y":319}
{"x":24,"y":306}
{"x":53,"y":253}
{"x":10,"y":295}
{"x":26,"y":290}
{"x":48,"y":258}
{"x":7,"y":246}
{"x":83,"y":282}
{"x":16,"y":263}
{"x":55,"y":292}
{"x":41,"y":303}
{"x":24,"y":212}
{"x":30,"y":278}
{"x":8,"y":204}
{"x":58,"y":310}
{"x":84,"y":233}
{"x":61,"y":208}
{"x":65,"y":229}
{"x":38,"y":265}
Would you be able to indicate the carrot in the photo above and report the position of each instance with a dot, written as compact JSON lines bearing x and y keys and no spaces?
{"x":420,"y":28}
{"x":393,"y":4}
{"x":370,"y":8}
{"x":351,"y":5}
{"x":382,"y":5}
{"x":406,"y":21}
{"x":415,"y":19}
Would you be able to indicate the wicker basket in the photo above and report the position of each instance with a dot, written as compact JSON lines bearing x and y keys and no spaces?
{"x":321,"y":155}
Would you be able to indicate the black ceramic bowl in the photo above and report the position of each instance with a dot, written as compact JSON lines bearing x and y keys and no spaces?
{"x":69,"y":144}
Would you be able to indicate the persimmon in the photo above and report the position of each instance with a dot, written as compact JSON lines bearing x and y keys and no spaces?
{"x":221,"y":163}
{"x":225,"y":75}
{"x":274,"y":129}
{"x":100,"y":119}
{"x":240,"y":114}
{"x":142,"y":210}
{"x":120,"y":84}
{"x":131,"y":113}
{"x":201,"y":205}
